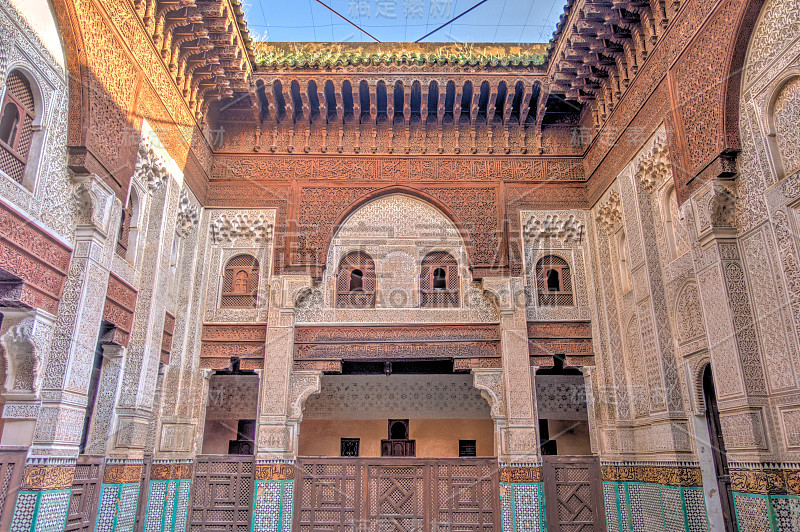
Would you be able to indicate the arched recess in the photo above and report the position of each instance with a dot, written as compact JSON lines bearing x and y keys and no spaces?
{"x":785,"y":85}
{"x":465,"y":236}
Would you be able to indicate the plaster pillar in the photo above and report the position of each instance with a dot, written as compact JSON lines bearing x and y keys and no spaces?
{"x":282,"y":393}
{"x":518,"y":439}
{"x":67,"y":370}
{"x":282,"y":390}
{"x":733,"y":346}
{"x":101,"y":426}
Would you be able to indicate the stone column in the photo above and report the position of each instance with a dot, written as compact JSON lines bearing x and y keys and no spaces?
{"x":67,"y":371}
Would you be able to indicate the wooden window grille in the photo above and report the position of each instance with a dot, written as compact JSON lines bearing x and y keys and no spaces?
{"x":398,"y":442}
{"x":467,"y":448}
{"x":16,"y":126}
{"x":438,"y":282}
{"x":355,"y":281}
{"x":240,"y":283}
{"x":554,"y":282}
{"x":350,"y":446}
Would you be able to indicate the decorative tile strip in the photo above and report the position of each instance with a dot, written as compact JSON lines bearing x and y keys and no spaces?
{"x":274,"y":472}
{"x":516,"y":474}
{"x":46,"y":477}
{"x":666,"y":476}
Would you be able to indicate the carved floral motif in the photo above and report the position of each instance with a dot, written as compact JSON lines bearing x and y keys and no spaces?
{"x":228,"y":228}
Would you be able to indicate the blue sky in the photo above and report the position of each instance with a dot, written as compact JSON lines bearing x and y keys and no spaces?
{"x":403,"y":20}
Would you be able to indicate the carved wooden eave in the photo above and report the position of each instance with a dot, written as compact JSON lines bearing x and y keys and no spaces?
{"x":205,"y":45}
{"x":419,"y":104}
{"x":598,"y":47}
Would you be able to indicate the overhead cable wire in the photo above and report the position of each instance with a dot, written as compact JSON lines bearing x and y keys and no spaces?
{"x":356,"y":26}
{"x":450,"y":21}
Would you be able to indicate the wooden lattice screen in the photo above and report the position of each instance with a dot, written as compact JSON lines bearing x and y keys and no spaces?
{"x":431,"y":295}
{"x":562,"y":296}
{"x":16,"y":126}
{"x":240,"y":283}
{"x":348,"y":296}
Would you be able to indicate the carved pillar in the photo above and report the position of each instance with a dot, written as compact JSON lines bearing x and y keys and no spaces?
{"x":67,"y":372}
{"x":282,"y":394}
{"x":102,"y":422}
{"x":276,"y":438}
{"x":65,"y":379}
{"x":734,"y":349}
{"x":519,"y":441}
{"x":139,"y":374}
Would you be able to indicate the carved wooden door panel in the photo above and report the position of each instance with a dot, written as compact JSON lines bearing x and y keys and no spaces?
{"x":327,"y":495}
{"x":222,"y":493}
{"x":396,"y":495}
{"x":573,"y":494}
{"x":83,"y":501}
{"x":463,"y":496}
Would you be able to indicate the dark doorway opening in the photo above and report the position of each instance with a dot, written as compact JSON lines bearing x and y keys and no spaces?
{"x":718,"y":450}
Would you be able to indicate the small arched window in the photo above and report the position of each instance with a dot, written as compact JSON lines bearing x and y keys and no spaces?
{"x":355,"y":283}
{"x":554,"y":281}
{"x":16,"y":126}
{"x":439,"y":281}
{"x":240,"y":283}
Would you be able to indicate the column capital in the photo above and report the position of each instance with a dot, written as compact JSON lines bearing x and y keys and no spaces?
{"x":94,"y":199}
{"x":113,"y":351}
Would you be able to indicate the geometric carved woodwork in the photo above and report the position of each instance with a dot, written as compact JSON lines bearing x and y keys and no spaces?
{"x":397,"y":493}
{"x":34,"y":256}
{"x":345,"y":342}
{"x":222,"y":493}
{"x":119,"y":307}
{"x":221,"y":342}
{"x":573,"y":491}
{"x":571,"y":339}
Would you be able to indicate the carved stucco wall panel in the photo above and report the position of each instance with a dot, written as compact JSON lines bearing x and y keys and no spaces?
{"x":397,"y":231}
{"x":379,"y":397}
{"x":50,"y":199}
{"x":561,"y":233}
{"x":608,"y":215}
{"x":773,"y":325}
{"x":230,"y":233}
